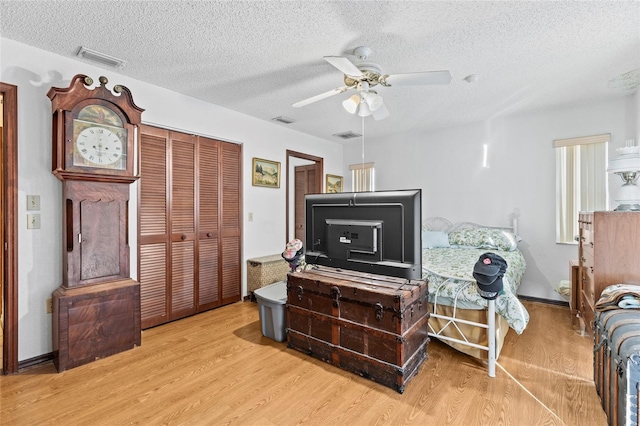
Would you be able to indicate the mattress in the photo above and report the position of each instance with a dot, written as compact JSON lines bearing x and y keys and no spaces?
{"x":448,"y":271}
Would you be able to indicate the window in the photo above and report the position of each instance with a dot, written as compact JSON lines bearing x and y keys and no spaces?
{"x":581,"y":181}
{"x":362,"y":177}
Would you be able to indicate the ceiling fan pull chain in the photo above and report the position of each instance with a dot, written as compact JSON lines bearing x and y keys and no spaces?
{"x":362,"y":142}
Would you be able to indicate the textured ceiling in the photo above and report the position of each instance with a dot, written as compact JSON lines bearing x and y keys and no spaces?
{"x":259,"y":57}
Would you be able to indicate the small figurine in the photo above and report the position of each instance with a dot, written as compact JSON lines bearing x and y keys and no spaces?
{"x":294,"y":254}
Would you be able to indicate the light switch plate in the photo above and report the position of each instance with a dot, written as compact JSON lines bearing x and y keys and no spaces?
{"x":33,"y":221}
{"x":33,"y":202}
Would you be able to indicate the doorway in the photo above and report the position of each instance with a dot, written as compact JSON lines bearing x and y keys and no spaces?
{"x":9,"y":227}
{"x":308,"y":171}
{"x":304,"y":183}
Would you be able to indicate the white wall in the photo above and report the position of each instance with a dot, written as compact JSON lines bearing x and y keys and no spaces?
{"x":447,"y":165}
{"x":34,"y":72}
{"x":633,"y":121}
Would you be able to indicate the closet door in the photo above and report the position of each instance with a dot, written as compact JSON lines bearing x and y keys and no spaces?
{"x":190,"y":224}
{"x":183,"y":224}
{"x":153,"y":228}
{"x":230,"y":226}
{"x":208,"y":222}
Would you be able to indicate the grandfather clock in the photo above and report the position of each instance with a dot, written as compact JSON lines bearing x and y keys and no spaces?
{"x":96,"y":310}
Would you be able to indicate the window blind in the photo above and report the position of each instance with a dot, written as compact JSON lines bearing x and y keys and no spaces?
{"x":581,"y":181}
{"x":363,"y":177}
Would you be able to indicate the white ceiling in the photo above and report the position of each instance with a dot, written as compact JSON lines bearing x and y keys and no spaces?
{"x":259,"y":57}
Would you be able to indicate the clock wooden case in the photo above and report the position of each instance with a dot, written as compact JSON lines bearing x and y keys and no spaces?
{"x":93,"y":131}
{"x":93,"y":144}
{"x":96,"y":310}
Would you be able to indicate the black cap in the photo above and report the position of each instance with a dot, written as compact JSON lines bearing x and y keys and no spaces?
{"x":488,"y":272}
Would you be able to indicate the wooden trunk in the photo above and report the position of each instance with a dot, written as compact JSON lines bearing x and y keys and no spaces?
{"x":616,"y":366}
{"x":371,"y":325}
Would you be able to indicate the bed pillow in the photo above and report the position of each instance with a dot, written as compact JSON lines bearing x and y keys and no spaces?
{"x":434,"y":239}
{"x":484,"y":238}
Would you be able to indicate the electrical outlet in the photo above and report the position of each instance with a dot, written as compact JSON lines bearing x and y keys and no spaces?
{"x":49,"y":305}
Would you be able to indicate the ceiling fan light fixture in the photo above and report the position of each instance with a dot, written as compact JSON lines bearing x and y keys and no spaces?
{"x":373,"y":100}
{"x":351,"y":104}
{"x":364,"y":110}
{"x":381,"y":113}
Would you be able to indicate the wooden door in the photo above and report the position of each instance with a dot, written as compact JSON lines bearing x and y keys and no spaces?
{"x":208,"y":170}
{"x":230,"y":223}
{"x":96,"y":211}
{"x":2,"y":159}
{"x":182,"y":224}
{"x":153,"y":228}
{"x":304,"y":183}
{"x":9,"y":189}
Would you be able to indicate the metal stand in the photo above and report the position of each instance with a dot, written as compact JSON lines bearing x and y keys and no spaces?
{"x":490,"y":326}
{"x":491,"y":320}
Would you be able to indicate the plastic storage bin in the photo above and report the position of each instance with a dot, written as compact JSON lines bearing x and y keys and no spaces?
{"x":271,"y":303}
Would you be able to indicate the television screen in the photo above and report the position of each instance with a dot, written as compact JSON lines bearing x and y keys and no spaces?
{"x":374,"y":232}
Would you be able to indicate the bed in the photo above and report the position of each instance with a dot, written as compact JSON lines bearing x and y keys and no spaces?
{"x":460,"y":317}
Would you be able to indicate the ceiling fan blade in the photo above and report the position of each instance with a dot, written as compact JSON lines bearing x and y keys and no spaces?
{"x":627,"y":81}
{"x":380,"y":113}
{"x":344,"y":65}
{"x":320,"y":97}
{"x":417,"y":78}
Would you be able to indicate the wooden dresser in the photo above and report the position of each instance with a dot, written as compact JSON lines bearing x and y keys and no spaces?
{"x":609,"y":253}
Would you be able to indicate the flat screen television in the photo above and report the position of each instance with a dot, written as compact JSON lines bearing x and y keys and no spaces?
{"x":374,"y":232}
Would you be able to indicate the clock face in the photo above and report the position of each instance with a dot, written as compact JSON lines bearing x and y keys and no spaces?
{"x":99,"y":146}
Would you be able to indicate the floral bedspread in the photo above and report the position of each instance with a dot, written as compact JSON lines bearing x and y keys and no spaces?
{"x":449,"y":273}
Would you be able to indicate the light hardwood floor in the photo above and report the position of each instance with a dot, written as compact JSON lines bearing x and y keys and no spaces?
{"x":216,"y":368}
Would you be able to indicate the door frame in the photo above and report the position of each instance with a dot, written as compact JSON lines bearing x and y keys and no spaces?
{"x":294,"y":185}
{"x":319,"y":167}
{"x":10,"y":224}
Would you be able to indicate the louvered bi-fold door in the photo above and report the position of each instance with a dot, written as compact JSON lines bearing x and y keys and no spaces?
{"x":190,"y":233}
{"x":208,"y":224}
{"x":182,"y":225}
{"x":153,"y":228}
{"x":230,"y":229}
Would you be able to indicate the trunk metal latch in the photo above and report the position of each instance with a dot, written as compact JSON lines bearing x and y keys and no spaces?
{"x":335,"y":295}
{"x":379,"y":311}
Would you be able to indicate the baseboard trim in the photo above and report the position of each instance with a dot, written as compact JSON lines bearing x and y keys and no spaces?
{"x":541,"y":300}
{"x":37,"y":360}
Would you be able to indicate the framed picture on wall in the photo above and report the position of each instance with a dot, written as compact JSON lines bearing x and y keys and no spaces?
{"x":266,"y":173}
{"x":334,"y":184}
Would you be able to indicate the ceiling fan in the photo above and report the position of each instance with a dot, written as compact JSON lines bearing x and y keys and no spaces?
{"x":363,"y":76}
